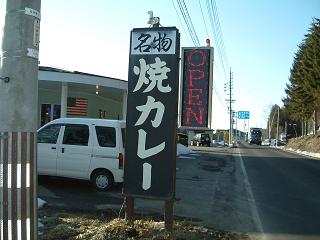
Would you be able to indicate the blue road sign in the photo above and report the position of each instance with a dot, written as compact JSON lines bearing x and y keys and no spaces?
{"x":243,"y":114}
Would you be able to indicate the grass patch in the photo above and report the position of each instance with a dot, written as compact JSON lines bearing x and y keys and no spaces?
{"x":76,"y":225}
{"x":309,"y":143}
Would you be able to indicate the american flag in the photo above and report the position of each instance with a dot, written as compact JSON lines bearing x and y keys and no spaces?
{"x":77,"y":106}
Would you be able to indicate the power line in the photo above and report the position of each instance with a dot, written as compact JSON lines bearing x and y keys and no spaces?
{"x":216,"y":36}
{"x":204,"y":21}
{"x":213,"y":2}
{"x":223,"y":104}
{"x":184,"y":30}
{"x":186,"y":22}
{"x":186,"y":16}
{"x":191,"y":24}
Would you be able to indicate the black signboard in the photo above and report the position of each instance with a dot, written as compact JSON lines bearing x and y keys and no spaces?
{"x":152,"y":113}
{"x":196,"y":87}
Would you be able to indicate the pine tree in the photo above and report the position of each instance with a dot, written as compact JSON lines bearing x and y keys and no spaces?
{"x":303,"y":90}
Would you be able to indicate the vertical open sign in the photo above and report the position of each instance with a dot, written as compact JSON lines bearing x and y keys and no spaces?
{"x":196,"y":87}
{"x":152,"y":113}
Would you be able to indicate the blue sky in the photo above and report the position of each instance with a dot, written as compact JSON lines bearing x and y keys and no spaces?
{"x":260,"y":39}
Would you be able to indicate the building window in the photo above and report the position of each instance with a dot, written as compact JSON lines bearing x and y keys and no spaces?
{"x":49,"y":112}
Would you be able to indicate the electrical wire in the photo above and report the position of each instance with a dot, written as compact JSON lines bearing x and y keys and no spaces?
{"x":182,"y":25}
{"x":186,"y":22}
{"x":217,"y":37}
{"x":213,"y":3}
{"x":187,"y":19}
{"x":191,"y":24}
{"x":204,"y":21}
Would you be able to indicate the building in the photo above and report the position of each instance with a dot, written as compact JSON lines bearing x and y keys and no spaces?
{"x":65,"y":93}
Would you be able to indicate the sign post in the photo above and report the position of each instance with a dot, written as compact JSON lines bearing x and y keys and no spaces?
{"x":152,"y":115}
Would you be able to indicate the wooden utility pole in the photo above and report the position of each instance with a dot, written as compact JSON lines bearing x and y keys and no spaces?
{"x":19,"y":120}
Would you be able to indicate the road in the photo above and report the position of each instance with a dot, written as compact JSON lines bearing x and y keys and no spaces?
{"x":266,"y":192}
{"x":286,"y":192}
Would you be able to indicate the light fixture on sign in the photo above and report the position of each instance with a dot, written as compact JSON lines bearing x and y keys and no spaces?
{"x":208,"y":42}
{"x":97,"y":89}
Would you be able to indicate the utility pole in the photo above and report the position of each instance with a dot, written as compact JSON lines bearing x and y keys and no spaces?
{"x":278,"y":127}
{"x":19,"y":120}
{"x":230,"y":109}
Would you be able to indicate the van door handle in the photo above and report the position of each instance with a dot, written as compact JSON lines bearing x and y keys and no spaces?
{"x":53,"y":148}
{"x":62,"y":150}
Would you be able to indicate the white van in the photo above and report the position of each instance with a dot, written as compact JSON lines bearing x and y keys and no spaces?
{"x":83,"y":148}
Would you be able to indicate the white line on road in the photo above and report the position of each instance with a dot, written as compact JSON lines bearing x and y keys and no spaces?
{"x":195,"y":154}
{"x":253,"y":206}
{"x":187,"y":157}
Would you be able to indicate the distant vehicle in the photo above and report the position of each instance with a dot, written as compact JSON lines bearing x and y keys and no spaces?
{"x":266,"y":142}
{"x":201,"y":139}
{"x":255,"y":136}
{"x":83,"y":148}
{"x":182,"y":139}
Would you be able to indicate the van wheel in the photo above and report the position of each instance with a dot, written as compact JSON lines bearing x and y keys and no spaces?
{"x":102,"y":180}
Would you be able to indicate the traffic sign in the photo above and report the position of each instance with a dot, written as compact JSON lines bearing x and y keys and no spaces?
{"x":243,"y":114}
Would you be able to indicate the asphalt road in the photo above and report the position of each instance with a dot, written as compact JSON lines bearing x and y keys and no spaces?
{"x":286,"y":192}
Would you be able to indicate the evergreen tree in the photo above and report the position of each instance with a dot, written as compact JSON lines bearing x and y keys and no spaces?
{"x":303,"y":90}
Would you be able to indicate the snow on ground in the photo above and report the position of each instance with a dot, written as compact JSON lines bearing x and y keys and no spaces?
{"x":182,"y":149}
{"x":315,"y":155}
{"x":41,"y":203}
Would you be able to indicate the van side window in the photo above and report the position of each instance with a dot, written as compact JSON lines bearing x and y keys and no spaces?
{"x":76,"y":134}
{"x":49,"y":134}
{"x":106,"y":136}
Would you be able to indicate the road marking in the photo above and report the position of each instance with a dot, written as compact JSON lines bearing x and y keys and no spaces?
{"x":195,"y":154}
{"x":187,"y":157}
{"x":253,"y":206}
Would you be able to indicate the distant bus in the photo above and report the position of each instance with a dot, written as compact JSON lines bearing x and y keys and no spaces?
{"x":255,"y":136}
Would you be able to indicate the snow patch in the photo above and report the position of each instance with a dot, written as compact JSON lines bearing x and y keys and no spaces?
{"x":183,"y":149}
{"x":41,"y":203}
{"x":310,"y":154}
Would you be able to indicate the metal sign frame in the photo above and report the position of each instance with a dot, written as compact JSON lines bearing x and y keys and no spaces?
{"x":243,"y":115}
{"x":152,"y":113}
{"x":208,"y":78}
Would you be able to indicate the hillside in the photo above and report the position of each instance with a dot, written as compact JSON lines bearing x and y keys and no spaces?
{"x":308,"y":143}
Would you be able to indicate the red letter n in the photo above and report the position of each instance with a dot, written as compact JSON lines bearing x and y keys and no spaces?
{"x":199,"y":118}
